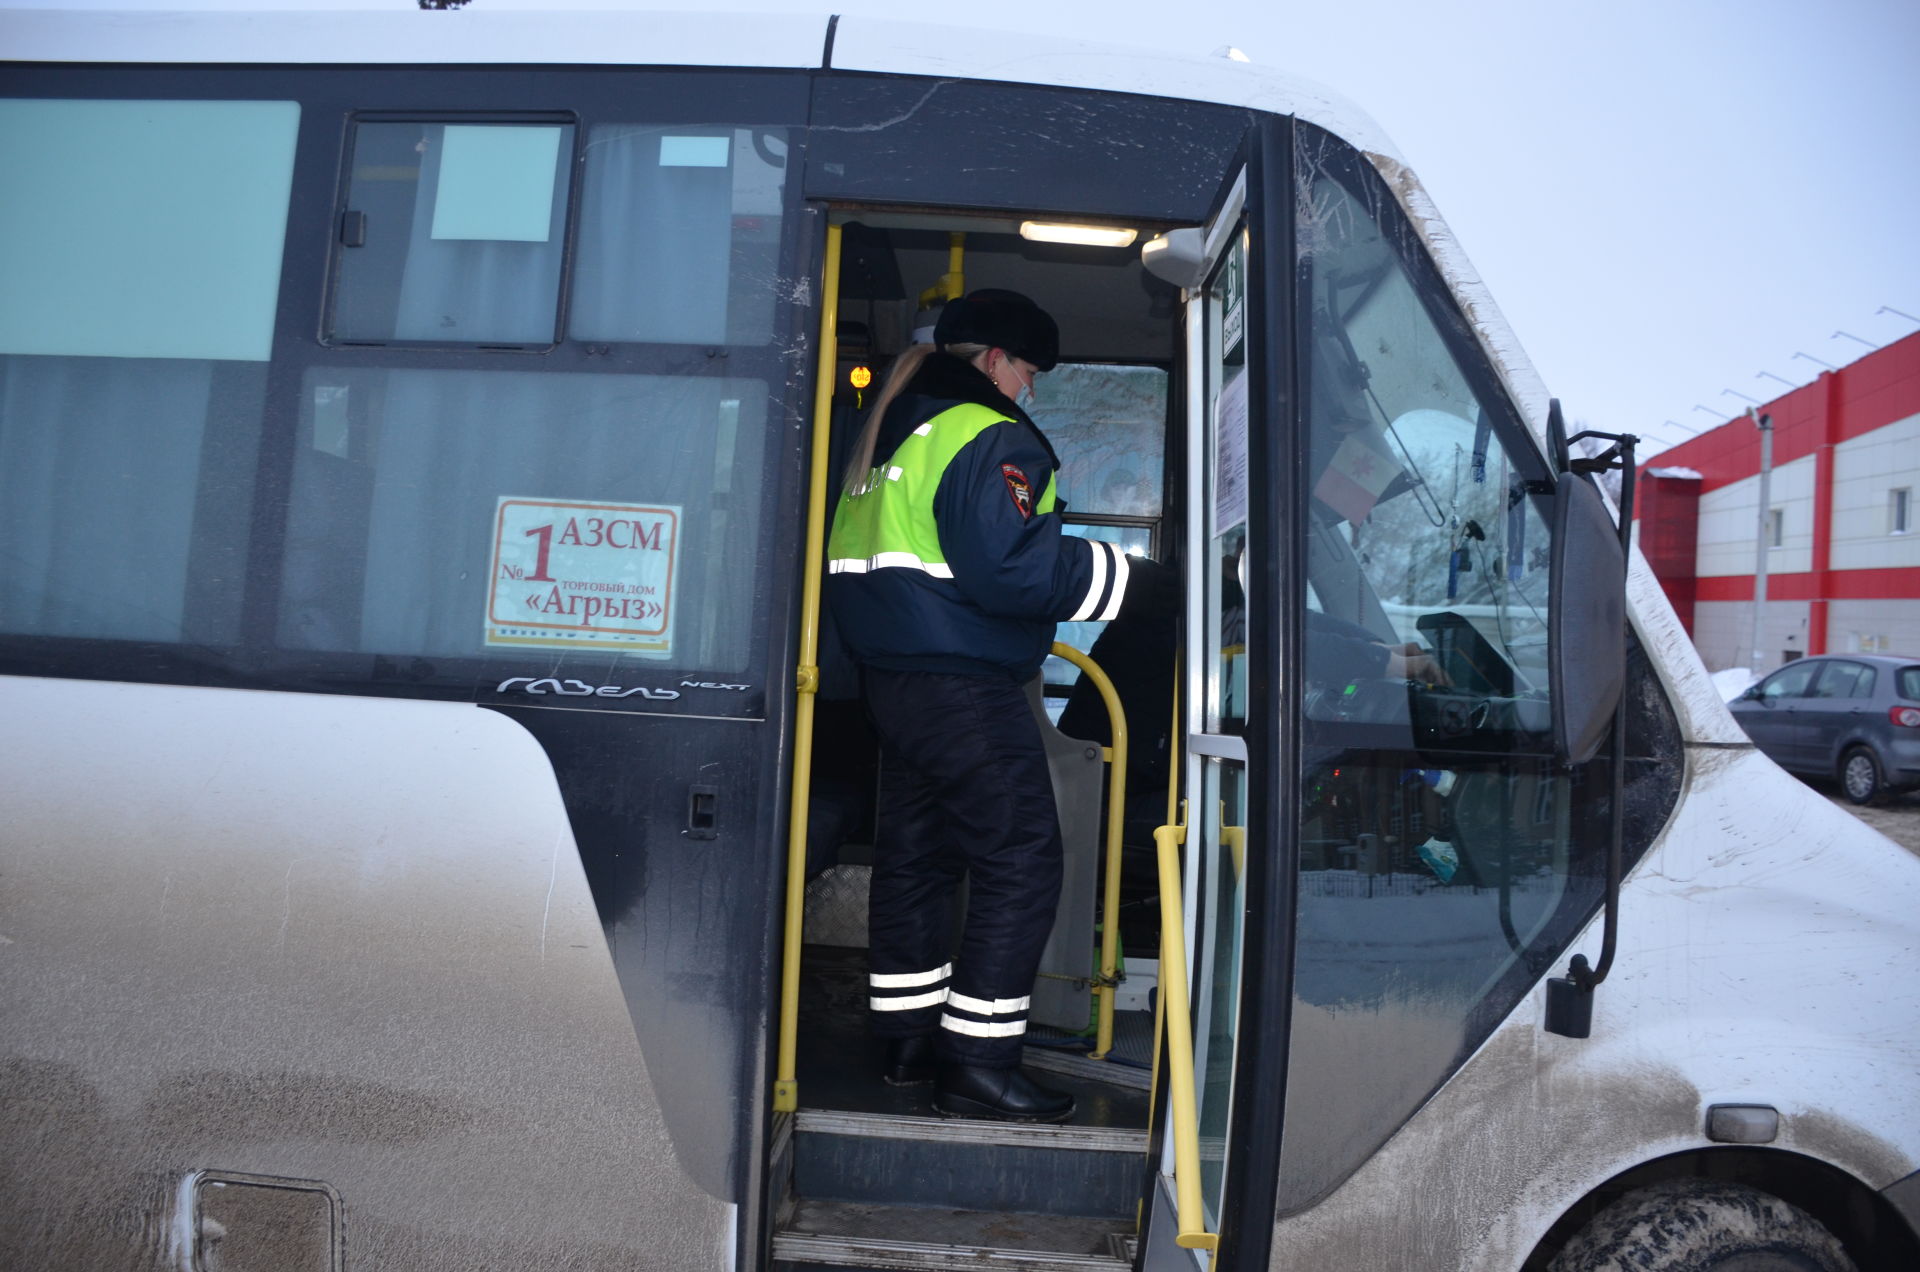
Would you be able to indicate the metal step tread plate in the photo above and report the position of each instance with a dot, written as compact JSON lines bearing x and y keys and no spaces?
{"x":891,"y":1160}
{"x":927,"y":1239}
{"x":1095,"y":1139}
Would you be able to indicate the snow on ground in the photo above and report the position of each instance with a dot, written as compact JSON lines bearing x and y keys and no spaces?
{"x":1732,"y":682}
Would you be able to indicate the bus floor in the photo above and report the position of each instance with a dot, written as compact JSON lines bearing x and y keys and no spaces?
{"x":839,"y":1061}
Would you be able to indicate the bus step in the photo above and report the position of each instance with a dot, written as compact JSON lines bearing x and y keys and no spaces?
{"x":850,"y":1235}
{"x":885,"y":1159}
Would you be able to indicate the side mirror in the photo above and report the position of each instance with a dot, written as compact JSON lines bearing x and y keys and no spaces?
{"x":1586,"y":620}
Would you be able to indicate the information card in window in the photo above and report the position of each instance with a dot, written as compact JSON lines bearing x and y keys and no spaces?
{"x":566,"y":575}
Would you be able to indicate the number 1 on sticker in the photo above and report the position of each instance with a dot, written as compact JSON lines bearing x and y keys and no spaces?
{"x":545,"y":535}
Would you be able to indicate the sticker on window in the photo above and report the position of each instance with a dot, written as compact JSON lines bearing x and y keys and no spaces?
{"x":567,"y":575}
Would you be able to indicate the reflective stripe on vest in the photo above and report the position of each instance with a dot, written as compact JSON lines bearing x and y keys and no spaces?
{"x":888,"y":522}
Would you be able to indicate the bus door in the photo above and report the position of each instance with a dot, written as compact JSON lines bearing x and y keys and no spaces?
{"x":1206,"y":933}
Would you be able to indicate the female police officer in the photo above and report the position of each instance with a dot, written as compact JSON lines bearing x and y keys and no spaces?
{"x":947,"y":573}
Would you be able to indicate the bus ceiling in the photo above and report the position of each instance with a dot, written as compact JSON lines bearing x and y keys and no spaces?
{"x":1108,"y":306}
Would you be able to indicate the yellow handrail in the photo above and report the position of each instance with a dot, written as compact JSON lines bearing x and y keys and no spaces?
{"x":786,"y":1091}
{"x":1116,"y":757}
{"x":1190,"y":1215}
{"x":952,"y":284}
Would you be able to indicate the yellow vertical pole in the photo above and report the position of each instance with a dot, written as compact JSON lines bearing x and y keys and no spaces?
{"x":956,"y":265}
{"x":786,"y":1091}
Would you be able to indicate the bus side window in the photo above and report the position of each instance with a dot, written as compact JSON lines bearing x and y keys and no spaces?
{"x":411,"y":468}
{"x":142,"y":244}
{"x":453,"y":234}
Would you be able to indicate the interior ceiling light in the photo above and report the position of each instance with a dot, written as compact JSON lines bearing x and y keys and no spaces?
{"x":1086,"y":235}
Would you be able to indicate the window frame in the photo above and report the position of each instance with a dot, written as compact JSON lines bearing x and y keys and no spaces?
{"x":574,"y":168}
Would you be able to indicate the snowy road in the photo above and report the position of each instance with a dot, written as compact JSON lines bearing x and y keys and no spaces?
{"x":1898,"y":819}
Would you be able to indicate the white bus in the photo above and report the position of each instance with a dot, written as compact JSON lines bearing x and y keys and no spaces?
{"x":432,"y":816}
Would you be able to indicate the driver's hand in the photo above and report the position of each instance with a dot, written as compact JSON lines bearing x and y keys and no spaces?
{"x":1410,"y":662}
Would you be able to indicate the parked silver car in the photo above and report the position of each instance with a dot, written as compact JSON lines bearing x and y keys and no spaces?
{"x":1854,"y":717}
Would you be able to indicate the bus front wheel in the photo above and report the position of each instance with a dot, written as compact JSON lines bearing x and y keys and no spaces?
{"x":1702,"y":1225}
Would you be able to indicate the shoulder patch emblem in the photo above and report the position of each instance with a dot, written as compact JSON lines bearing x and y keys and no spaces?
{"x":1019,"y":488}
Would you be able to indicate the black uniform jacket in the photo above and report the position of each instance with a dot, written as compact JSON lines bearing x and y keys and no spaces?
{"x":1014,"y":573}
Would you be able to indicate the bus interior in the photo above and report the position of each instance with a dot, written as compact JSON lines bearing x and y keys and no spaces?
{"x":1111,"y":411}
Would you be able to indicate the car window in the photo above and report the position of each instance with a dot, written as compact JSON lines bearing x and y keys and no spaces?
{"x":1908,"y":681}
{"x":1789,"y":682}
{"x":1844,"y":680}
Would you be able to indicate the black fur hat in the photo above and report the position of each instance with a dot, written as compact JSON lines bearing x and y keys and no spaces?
{"x":1004,"y":319}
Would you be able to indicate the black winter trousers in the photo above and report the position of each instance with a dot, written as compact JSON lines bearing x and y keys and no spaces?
{"x":964,"y":791}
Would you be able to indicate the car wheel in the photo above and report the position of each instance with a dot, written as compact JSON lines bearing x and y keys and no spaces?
{"x":1860,"y":777}
{"x":1702,"y":1225}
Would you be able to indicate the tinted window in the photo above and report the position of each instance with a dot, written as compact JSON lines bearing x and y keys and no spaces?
{"x":420,"y":497}
{"x":183,"y":465}
{"x":680,"y":235}
{"x":1844,"y":680}
{"x":1445,"y":858}
{"x":453,"y":233}
{"x":141,"y":245}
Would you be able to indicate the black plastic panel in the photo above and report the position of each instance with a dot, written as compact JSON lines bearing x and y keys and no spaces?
{"x":976,"y":145}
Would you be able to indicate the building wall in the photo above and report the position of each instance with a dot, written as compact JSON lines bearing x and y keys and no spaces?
{"x":1723,"y":633}
{"x":1874,"y":627}
{"x":1729,"y":523}
{"x":1842,"y":579}
{"x":1865,"y":470}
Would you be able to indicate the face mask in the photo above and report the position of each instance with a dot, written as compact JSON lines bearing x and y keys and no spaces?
{"x":1024,"y":399}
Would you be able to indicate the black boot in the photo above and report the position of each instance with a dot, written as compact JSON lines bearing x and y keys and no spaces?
{"x":909,"y":1061}
{"x":1009,"y":1095}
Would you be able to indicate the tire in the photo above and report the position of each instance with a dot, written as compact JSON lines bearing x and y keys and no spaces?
{"x":1702,"y":1225}
{"x":1862,"y":780}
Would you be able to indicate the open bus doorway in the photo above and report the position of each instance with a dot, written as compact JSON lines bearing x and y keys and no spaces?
{"x":1110,"y":411}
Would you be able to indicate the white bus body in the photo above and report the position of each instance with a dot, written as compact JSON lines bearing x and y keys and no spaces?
{"x":360,"y":910}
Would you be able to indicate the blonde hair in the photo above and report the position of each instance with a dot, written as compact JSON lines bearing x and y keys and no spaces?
{"x":860,"y":459}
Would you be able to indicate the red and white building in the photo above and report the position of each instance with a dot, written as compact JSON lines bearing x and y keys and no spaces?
{"x":1842,"y":531}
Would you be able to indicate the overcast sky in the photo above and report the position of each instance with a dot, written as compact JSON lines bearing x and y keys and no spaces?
{"x":1667,"y":199}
